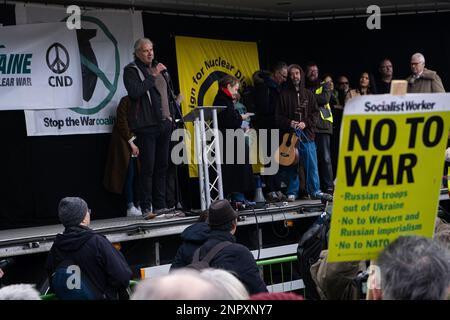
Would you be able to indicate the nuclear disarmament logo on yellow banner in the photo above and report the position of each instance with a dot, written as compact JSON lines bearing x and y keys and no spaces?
{"x":201,"y":63}
{"x":390,"y":168}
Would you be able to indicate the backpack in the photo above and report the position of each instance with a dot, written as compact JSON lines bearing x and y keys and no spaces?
{"x":198,"y":264}
{"x":313,"y":241}
{"x":59,"y":283}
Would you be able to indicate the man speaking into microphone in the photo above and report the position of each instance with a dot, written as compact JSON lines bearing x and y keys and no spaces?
{"x":150,"y":117}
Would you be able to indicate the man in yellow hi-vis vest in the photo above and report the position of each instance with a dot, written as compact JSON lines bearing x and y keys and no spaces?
{"x":324,"y":129}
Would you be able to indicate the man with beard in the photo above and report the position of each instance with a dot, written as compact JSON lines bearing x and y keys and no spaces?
{"x":298,"y":109}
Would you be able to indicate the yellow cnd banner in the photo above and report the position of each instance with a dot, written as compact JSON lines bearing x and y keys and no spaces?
{"x":390,"y":169}
{"x":201,"y":63}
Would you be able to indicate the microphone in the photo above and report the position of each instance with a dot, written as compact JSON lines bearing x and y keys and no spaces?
{"x":6,"y":262}
{"x":155,"y":63}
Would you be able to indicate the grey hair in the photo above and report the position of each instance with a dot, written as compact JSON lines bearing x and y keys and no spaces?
{"x":414,"y":268}
{"x":443,"y":237}
{"x":139,"y":42}
{"x":19,"y":292}
{"x":181,"y":284}
{"x":419,"y":56}
{"x":232,"y":288}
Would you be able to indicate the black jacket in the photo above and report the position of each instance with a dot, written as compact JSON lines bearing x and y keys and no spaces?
{"x":142,"y":113}
{"x":104,"y":265}
{"x":235,"y":258}
{"x":230,"y":118}
{"x":267,"y":93}
{"x":193,"y":237}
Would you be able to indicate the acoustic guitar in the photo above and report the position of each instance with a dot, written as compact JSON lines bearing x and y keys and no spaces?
{"x":287,"y":153}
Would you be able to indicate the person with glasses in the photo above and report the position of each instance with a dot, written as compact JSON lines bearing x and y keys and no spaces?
{"x":423,"y":80}
{"x":268,"y":87}
{"x":386,"y":70}
{"x":102,"y":270}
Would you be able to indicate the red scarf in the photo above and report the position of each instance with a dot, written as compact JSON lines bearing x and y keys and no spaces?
{"x":227,"y":92}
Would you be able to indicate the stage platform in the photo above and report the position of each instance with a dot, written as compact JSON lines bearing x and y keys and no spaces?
{"x":25,"y":241}
{"x":40,"y":239}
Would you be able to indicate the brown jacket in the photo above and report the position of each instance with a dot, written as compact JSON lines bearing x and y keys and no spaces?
{"x":336,"y":280}
{"x":287,"y":105}
{"x":428,"y":82}
{"x":119,"y":150}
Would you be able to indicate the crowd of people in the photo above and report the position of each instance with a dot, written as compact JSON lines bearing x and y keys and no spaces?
{"x":290,"y":99}
{"x":83,"y":264}
{"x":287,"y":99}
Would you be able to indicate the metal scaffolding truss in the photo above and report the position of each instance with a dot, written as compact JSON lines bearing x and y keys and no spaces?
{"x":207,"y":151}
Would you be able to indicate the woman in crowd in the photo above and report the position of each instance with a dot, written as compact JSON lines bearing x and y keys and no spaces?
{"x":364,"y":87}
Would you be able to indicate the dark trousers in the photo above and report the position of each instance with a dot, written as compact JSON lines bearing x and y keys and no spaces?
{"x":153,"y":144}
{"x":323,"y":141}
{"x":172,"y":198}
{"x":273,"y":182}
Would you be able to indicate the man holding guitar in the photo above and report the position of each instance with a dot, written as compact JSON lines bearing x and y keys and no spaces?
{"x":297,"y":110}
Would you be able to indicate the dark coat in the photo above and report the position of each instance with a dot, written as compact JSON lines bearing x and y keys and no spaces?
{"x":266,"y":95}
{"x":235,"y":258}
{"x":104,"y":265}
{"x":235,"y":177}
{"x":142,"y":113}
{"x":285,"y":111}
{"x":193,"y":237}
{"x":119,"y":152}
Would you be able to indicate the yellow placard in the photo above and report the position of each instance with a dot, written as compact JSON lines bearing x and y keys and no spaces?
{"x":201,"y":63}
{"x":390,"y":168}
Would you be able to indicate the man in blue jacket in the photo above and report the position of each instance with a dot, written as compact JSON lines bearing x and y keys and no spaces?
{"x":102,"y":266}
